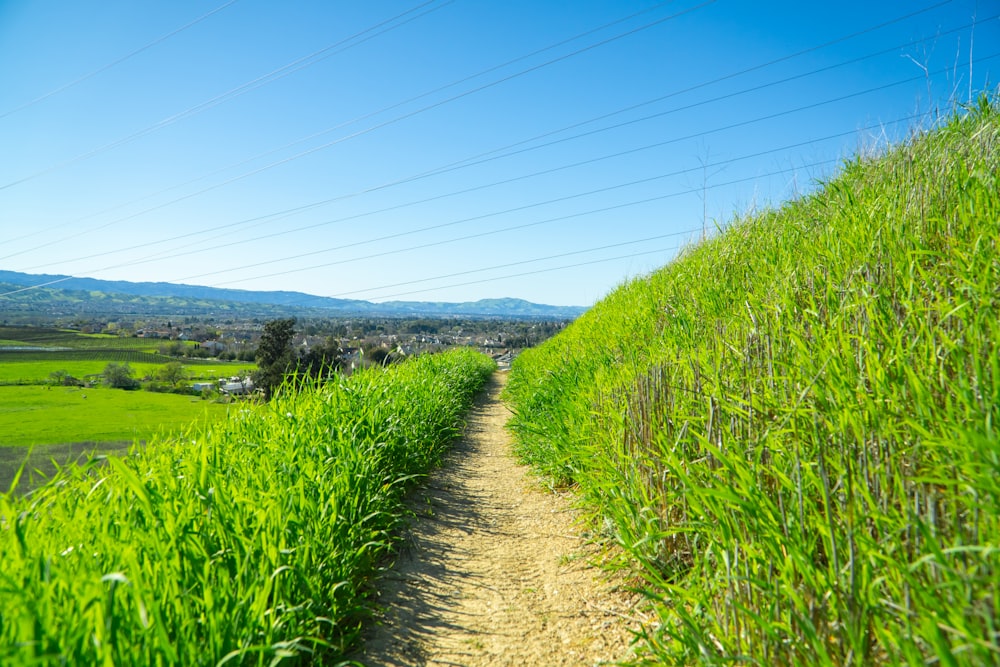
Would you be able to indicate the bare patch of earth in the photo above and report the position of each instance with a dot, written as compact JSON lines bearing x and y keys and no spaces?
{"x":495,"y":570}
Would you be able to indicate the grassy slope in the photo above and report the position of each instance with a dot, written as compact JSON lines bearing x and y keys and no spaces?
{"x":792,"y":429}
{"x":248,"y":542}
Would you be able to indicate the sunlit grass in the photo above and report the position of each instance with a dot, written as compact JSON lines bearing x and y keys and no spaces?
{"x":44,"y":415}
{"x":792,"y":429}
{"x":251,"y":541}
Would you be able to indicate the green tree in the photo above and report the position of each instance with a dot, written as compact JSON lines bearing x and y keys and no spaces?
{"x":172,"y":349}
{"x":119,"y":376}
{"x":323,"y":359}
{"x":376,"y":355}
{"x":63,"y":378}
{"x":171,"y":373}
{"x":274,"y":355}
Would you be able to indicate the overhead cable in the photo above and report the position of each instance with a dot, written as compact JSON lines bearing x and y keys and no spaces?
{"x":274,"y":75}
{"x":481,"y":158}
{"x":117,"y":61}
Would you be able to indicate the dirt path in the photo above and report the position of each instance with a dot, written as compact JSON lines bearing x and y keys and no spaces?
{"x":494,"y":571}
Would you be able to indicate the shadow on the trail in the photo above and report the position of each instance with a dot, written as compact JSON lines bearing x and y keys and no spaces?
{"x":424,"y":586}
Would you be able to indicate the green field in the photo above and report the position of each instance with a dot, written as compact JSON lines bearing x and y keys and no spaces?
{"x":36,"y":372}
{"x":792,"y":430}
{"x":42,"y":415}
{"x":30,"y":372}
{"x":63,"y":422}
{"x":32,"y":412}
{"x":60,"y":338}
{"x":28,"y":355}
{"x":42,"y":423}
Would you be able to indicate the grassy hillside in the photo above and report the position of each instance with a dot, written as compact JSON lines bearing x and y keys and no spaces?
{"x":250,"y":541}
{"x":108,"y":297}
{"x":793,"y":429}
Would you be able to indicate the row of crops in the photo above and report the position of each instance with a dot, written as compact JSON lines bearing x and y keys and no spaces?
{"x":66,"y":338}
{"x":118,"y":355}
{"x":792,"y":430}
{"x":31,"y":355}
{"x":250,"y":541}
{"x":41,"y":344}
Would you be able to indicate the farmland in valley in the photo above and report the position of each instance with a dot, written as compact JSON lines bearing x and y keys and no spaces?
{"x":35,"y":418}
{"x":28,"y":355}
{"x":43,"y":417}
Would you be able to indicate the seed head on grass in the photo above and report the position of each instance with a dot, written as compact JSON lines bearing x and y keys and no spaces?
{"x":792,"y":428}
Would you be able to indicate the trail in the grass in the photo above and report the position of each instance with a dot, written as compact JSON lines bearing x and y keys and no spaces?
{"x":494,"y":570}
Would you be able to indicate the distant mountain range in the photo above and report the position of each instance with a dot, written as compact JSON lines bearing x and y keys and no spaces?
{"x":66,"y":295}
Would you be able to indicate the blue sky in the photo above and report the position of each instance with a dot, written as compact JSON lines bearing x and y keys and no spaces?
{"x":443,"y":150}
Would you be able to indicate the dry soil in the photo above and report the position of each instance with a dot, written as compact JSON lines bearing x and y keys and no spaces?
{"x":494,"y":569}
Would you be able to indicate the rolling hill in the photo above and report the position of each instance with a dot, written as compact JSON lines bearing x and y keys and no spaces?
{"x":69,"y":295}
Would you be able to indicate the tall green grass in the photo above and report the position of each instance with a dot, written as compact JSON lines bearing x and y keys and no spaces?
{"x":247,"y":542}
{"x":792,"y":430}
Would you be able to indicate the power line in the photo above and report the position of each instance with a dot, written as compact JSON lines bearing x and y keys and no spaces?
{"x":711,"y":100}
{"x":331,"y":129}
{"x":161,"y":257}
{"x":117,"y":61}
{"x":192,"y":110}
{"x":396,"y":119}
{"x":270,"y":77}
{"x":469,"y":236}
{"x":660,"y":144}
{"x":532,"y":273}
{"x":720,"y":79}
{"x":494,"y":232}
{"x":299,"y":256}
{"x":915,"y":78}
{"x":510,"y":264}
{"x":478,"y":217}
{"x":388,"y":237}
{"x":385,"y":123}
{"x":386,"y":209}
{"x":475,"y":160}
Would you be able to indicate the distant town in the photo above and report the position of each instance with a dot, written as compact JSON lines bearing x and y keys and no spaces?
{"x":237,"y":339}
